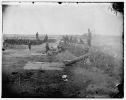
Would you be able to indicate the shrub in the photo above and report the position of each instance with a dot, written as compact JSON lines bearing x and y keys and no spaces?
{"x":25,"y":41}
{"x":98,"y":58}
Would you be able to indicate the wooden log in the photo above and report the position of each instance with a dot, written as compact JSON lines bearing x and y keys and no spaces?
{"x":76,"y":59}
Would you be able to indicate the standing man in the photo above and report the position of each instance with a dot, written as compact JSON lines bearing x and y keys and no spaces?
{"x":89,"y":37}
{"x":46,"y":38}
{"x":29,"y":45}
{"x":37,"y":38}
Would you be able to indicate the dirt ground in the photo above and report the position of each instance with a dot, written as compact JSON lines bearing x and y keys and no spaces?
{"x":82,"y":82}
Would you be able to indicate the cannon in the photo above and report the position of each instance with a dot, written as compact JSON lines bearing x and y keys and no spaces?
{"x":77,"y":59}
{"x":53,"y":65}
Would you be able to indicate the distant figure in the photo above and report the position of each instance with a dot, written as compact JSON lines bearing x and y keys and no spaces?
{"x":47,"y":47}
{"x":46,"y":38}
{"x":89,"y":36}
{"x":61,"y":46}
{"x":81,"y":41}
{"x":29,"y":45}
{"x":65,"y":39}
{"x":37,"y":37}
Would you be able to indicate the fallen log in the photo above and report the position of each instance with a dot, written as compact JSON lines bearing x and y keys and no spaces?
{"x":69,"y":62}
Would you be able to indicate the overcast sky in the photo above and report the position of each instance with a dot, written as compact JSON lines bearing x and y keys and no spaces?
{"x":68,"y":18}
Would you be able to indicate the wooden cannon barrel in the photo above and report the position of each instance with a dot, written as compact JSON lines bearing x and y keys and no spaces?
{"x":76,"y":59}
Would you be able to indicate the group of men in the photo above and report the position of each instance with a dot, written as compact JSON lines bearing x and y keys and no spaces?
{"x":64,"y":40}
{"x":45,"y":39}
{"x":37,"y":39}
{"x":60,"y":48}
{"x":72,"y":39}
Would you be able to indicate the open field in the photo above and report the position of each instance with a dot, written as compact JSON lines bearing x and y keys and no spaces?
{"x":97,"y":80}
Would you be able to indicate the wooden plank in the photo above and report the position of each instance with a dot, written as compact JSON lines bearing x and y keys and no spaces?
{"x":44,"y":66}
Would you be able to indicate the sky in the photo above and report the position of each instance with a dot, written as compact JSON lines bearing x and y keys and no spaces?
{"x":61,"y":19}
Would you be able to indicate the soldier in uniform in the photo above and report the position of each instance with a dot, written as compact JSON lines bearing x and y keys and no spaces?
{"x":89,"y":38}
{"x":61,"y":46}
{"x":47,"y":47}
{"x":37,"y":38}
{"x":29,"y":45}
{"x":81,"y":41}
{"x":46,"y":38}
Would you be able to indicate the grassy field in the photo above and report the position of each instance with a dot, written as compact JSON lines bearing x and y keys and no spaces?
{"x":97,"y":80}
